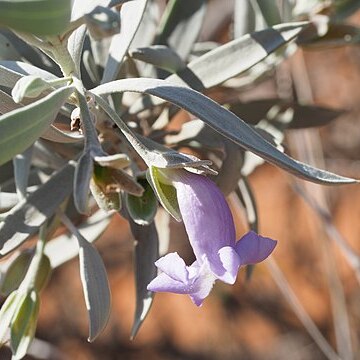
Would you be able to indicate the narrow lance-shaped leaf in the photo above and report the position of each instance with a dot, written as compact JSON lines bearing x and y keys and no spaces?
{"x":83,"y":174}
{"x":40,"y":17}
{"x":228,"y":60}
{"x":95,"y":285}
{"x":146,"y":253}
{"x":23,"y":325}
{"x":160,"y":56}
{"x":25,"y":220}
{"x":21,"y":127}
{"x":94,"y":282}
{"x":244,"y":18}
{"x":224,"y":122}
{"x":7,"y":313}
{"x":15,"y":273}
{"x":182,"y":25}
{"x":131,"y":14}
{"x":22,"y":163}
{"x":270,"y":11}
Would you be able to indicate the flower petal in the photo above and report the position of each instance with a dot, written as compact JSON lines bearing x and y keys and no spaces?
{"x":253,"y":248}
{"x":197,"y":286}
{"x":164,"y":283}
{"x":202,"y":288}
{"x":206,"y":215}
{"x":174,"y":266}
{"x":230,"y":262}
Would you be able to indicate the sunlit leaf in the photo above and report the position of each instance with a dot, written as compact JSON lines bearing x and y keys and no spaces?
{"x":40,"y":17}
{"x":160,"y":56}
{"x":228,"y":60}
{"x":224,"y":122}
{"x":15,"y":273}
{"x":7,"y":313}
{"x":21,"y":127}
{"x":131,"y":14}
{"x":23,"y":324}
{"x":95,"y":286}
{"x":181,"y":25}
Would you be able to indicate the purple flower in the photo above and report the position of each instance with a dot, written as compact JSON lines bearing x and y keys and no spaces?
{"x":211,"y":231}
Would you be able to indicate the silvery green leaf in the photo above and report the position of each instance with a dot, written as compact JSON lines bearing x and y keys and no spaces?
{"x":12,"y":71}
{"x":148,"y":27}
{"x":102,"y":22}
{"x":21,"y":127}
{"x":40,"y":17}
{"x":22,"y":164}
{"x":75,"y":46}
{"x":146,"y":253}
{"x":26,"y":218}
{"x":160,"y":56}
{"x":182,"y":25}
{"x":29,"y":86}
{"x":7,"y":313}
{"x":224,"y":122}
{"x":244,"y":18}
{"x":270,"y":11}
{"x":23,"y":324}
{"x":15,"y":273}
{"x":8,"y":200}
{"x":83,"y":174}
{"x":142,"y":209}
{"x":64,"y":247}
{"x":131,"y":14}
{"x":95,"y":286}
{"x":78,"y":9}
{"x":228,"y":60}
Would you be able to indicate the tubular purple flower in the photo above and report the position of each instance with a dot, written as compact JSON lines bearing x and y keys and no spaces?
{"x":210,"y":227}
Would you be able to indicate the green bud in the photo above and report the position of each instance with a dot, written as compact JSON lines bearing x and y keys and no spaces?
{"x":142,"y":209}
{"x":165,"y":192}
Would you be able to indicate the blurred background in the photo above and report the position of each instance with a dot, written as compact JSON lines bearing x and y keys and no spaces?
{"x":306,"y":296}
